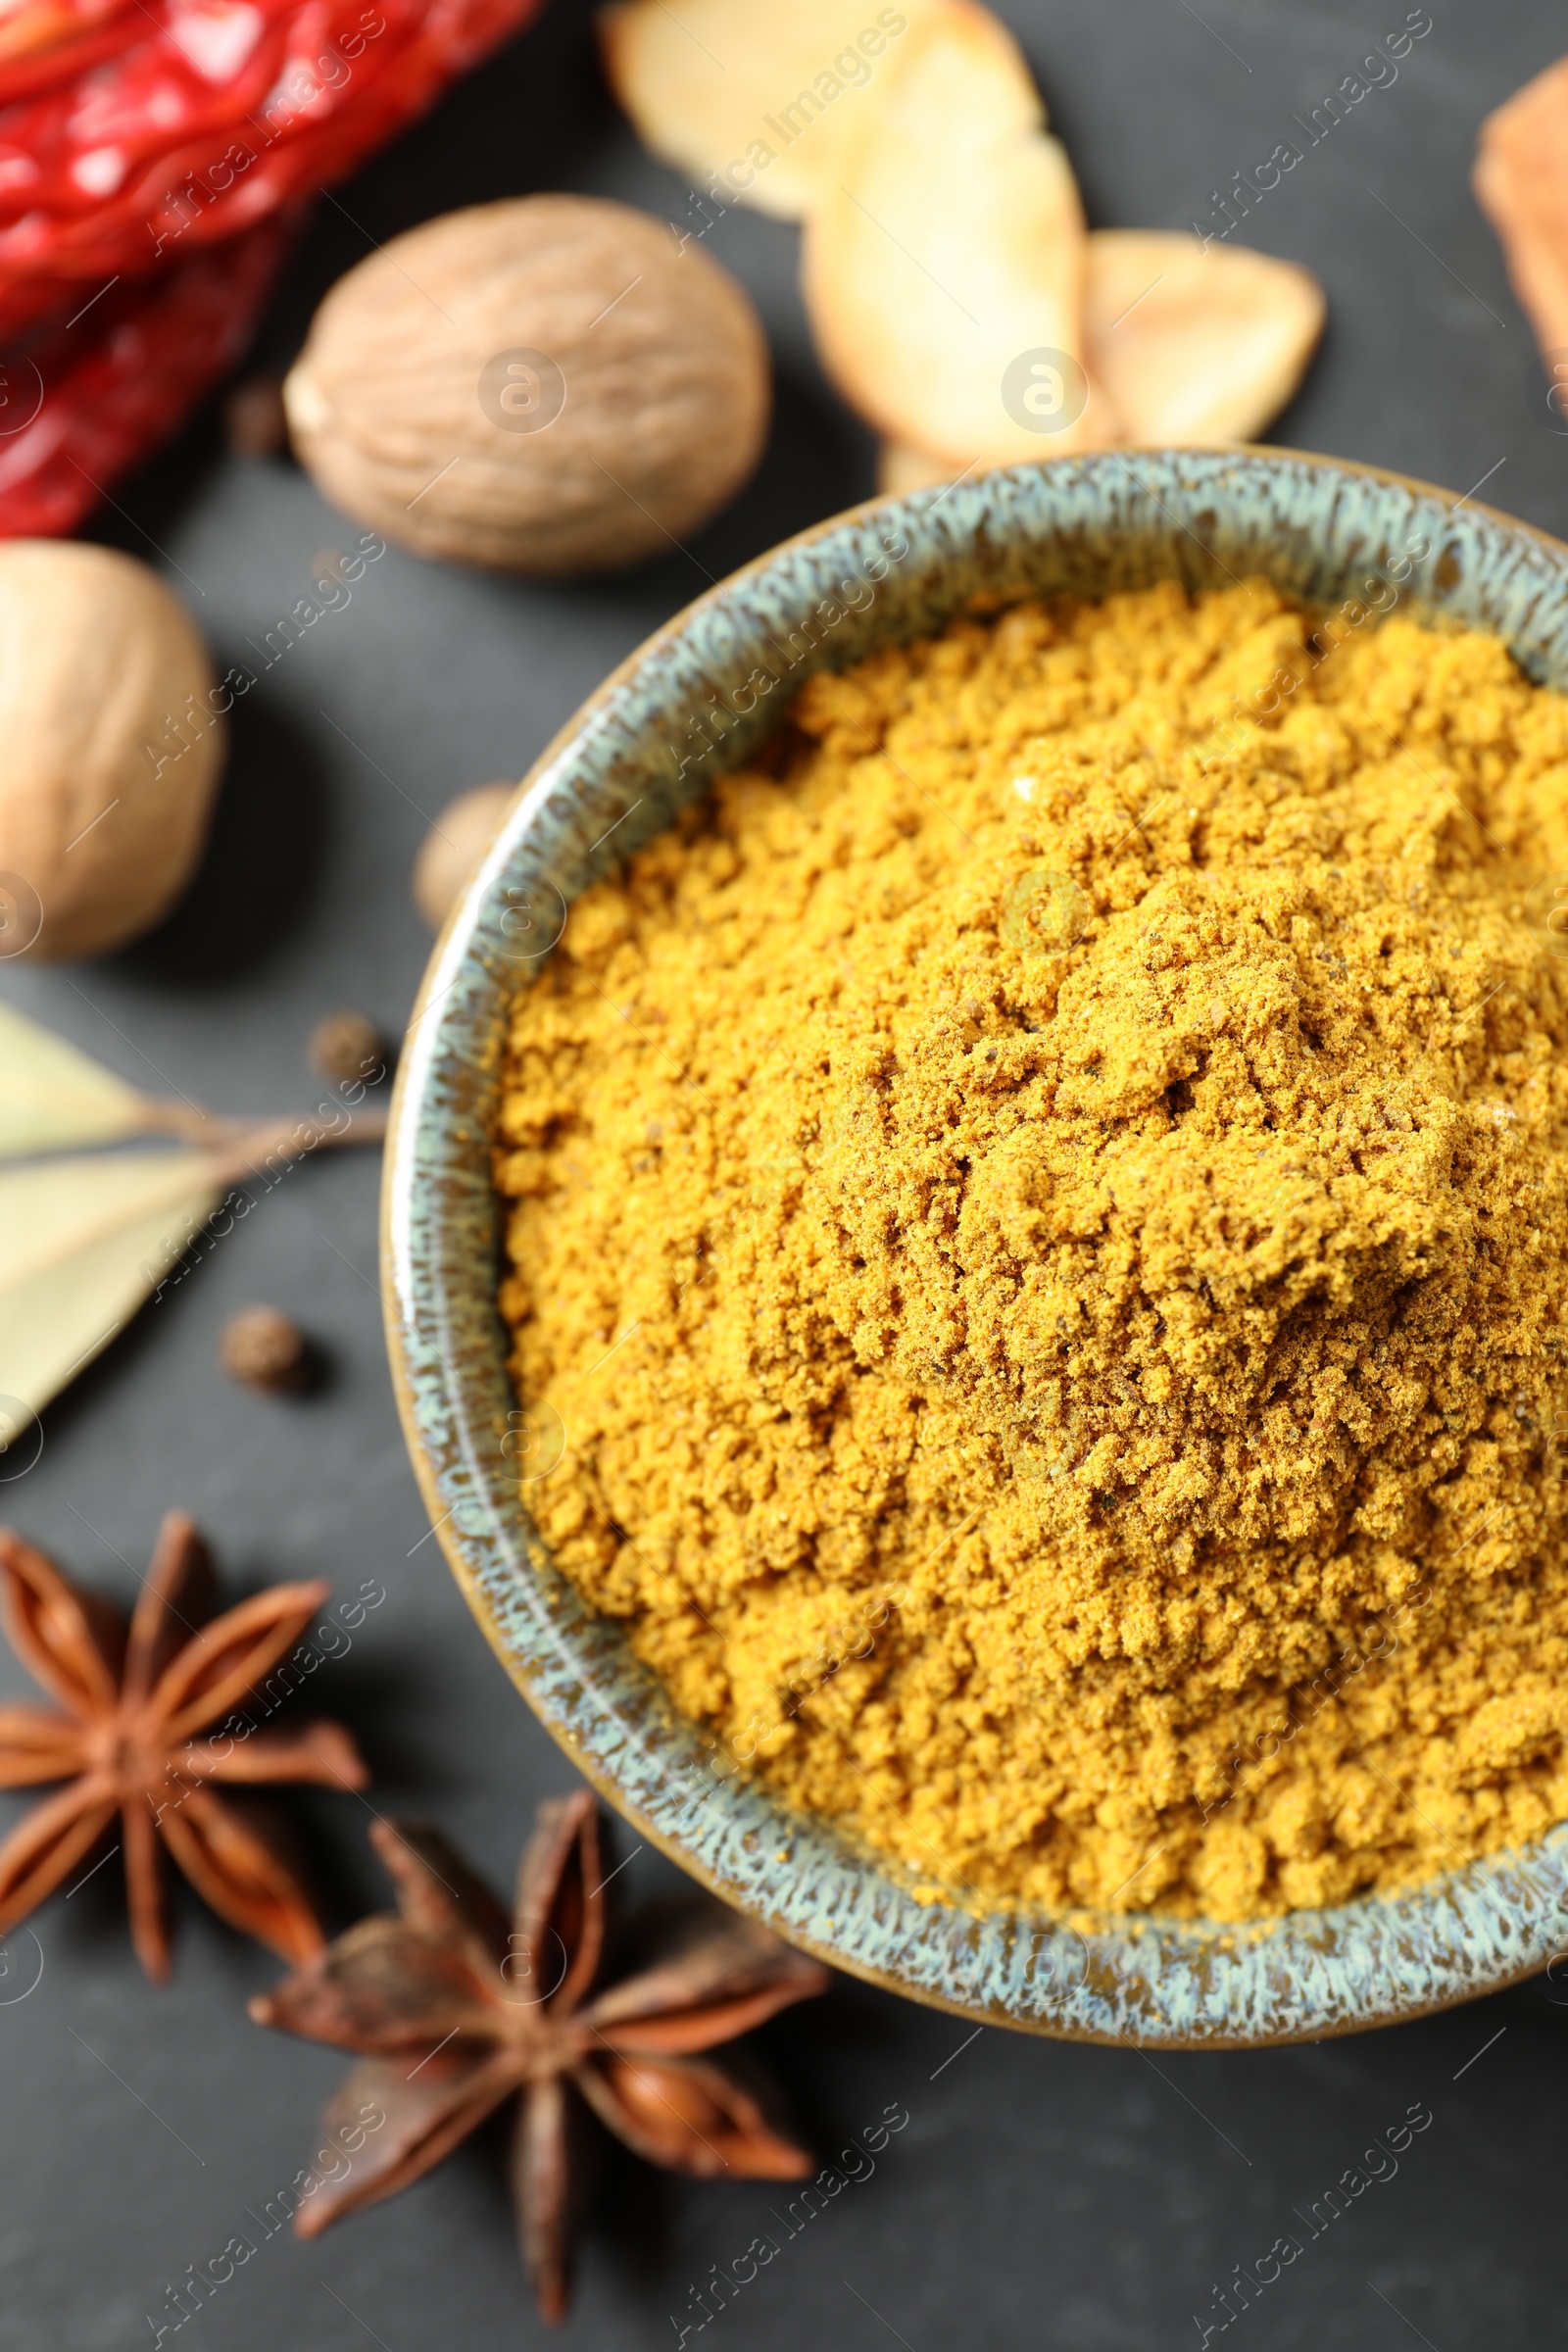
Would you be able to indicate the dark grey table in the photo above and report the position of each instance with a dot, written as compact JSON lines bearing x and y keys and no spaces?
{"x":1042,"y":2194}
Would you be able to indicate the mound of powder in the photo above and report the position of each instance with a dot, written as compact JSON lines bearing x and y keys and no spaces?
{"x":1041,"y":1208}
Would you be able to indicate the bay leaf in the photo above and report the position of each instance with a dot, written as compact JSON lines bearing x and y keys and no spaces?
{"x":83,"y":1242}
{"x":53,"y":1096}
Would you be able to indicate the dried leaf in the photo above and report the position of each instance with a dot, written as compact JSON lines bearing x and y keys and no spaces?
{"x":84,"y":1239}
{"x":84,"y":1242}
{"x":944,"y":273}
{"x":768,"y":87}
{"x":54,"y":1097}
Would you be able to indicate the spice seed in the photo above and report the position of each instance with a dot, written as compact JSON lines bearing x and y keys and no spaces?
{"x":265,"y":1350}
{"x":348,"y":1046}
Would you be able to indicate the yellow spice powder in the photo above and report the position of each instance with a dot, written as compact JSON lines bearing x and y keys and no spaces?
{"x":1041,"y":1208}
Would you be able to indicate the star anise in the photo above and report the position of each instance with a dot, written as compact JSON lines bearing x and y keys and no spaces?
{"x":454,"y":2015}
{"x":135,"y":1698}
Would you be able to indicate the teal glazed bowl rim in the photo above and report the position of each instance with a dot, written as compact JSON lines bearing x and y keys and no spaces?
{"x":695,"y":699}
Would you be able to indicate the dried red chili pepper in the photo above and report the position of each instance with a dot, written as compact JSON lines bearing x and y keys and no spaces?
{"x":95,"y":398}
{"x":203,"y":116}
{"x":154,"y":157}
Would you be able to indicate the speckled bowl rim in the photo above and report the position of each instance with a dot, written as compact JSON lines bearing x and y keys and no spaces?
{"x":1089,"y":524}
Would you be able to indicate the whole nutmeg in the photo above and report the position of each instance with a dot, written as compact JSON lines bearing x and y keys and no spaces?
{"x":264,"y":1350}
{"x":452,"y":848}
{"x":113,"y":744}
{"x":547,"y":385}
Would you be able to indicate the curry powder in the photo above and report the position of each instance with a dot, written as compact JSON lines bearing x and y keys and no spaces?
{"x":1041,"y":1208}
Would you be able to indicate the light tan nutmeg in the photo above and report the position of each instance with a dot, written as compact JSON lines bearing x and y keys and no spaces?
{"x":549,"y":385}
{"x":113,"y":743}
{"x":451,"y":852}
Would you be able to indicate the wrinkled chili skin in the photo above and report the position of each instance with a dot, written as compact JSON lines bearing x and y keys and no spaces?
{"x":201,"y":120}
{"x":156,"y":156}
{"x":101,"y":397}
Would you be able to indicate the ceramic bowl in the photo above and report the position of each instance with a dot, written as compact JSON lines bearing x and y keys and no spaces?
{"x":695,"y":699}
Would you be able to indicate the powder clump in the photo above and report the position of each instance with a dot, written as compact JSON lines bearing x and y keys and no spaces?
{"x":1041,"y":1210}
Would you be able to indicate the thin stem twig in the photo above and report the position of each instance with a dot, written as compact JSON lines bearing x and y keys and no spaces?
{"x":242,"y":1144}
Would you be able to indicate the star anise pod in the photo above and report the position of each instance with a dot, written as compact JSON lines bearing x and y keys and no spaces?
{"x":135,"y":1698}
{"x":454,"y":2014}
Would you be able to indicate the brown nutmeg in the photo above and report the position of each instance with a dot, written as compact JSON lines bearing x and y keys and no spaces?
{"x":264,"y":1350}
{"x":348,"y":1046}
{"x":548,"y":384}
{"x":454,"y":845}
{"x":114,"y":738}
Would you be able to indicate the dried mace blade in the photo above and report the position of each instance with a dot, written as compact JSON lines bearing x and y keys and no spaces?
{"x":452,"y":2014}
{"x":134,"y":1698}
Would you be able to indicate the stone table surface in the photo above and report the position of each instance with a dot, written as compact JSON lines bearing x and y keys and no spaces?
{"x":1041,"y":2195}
